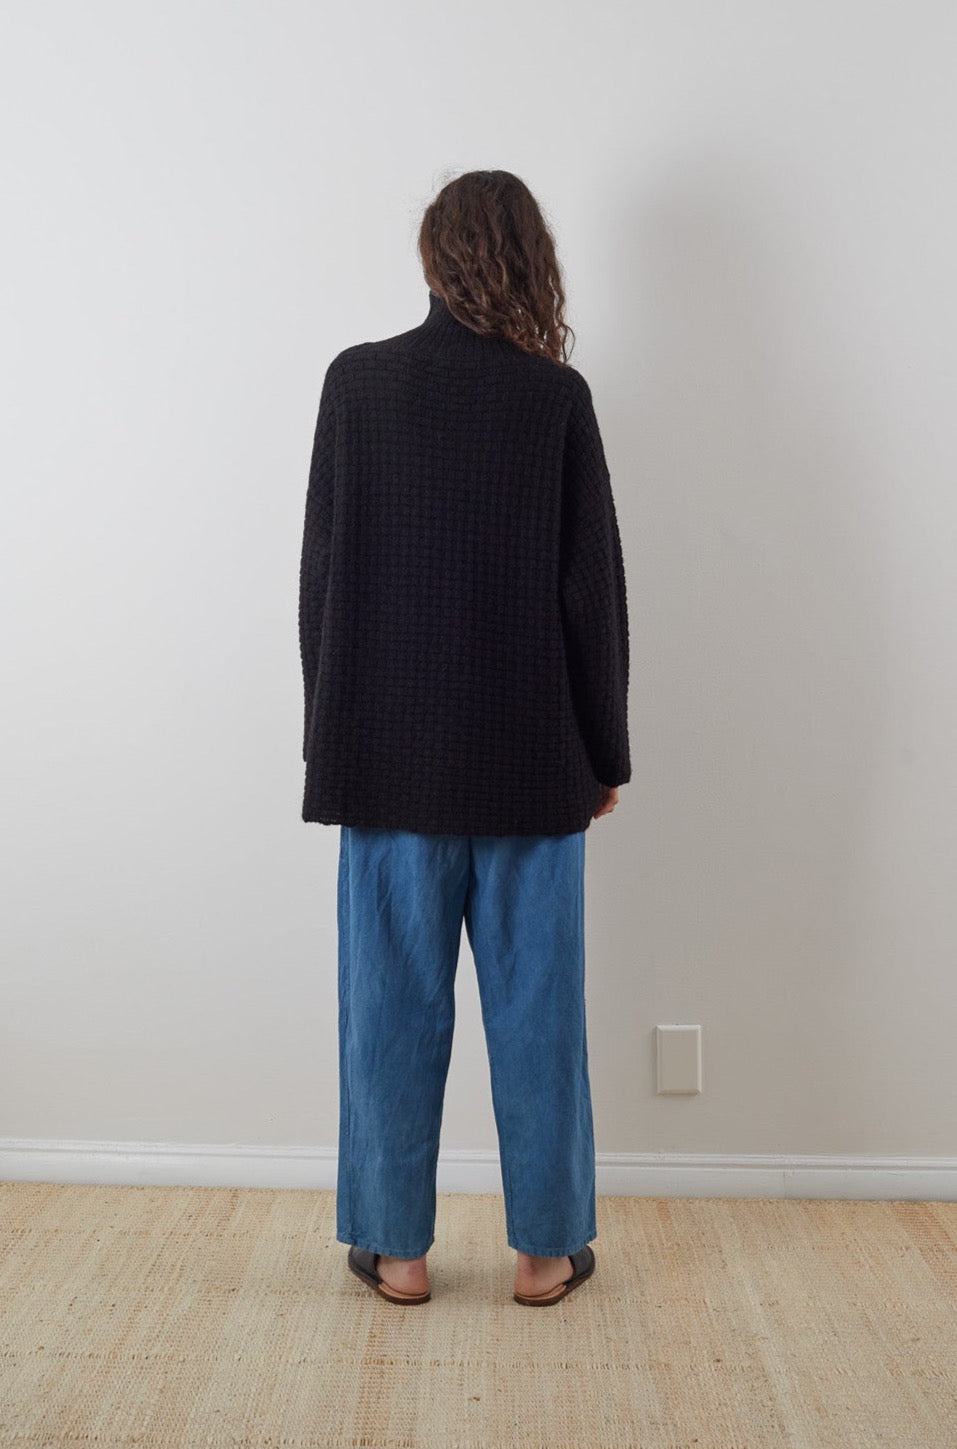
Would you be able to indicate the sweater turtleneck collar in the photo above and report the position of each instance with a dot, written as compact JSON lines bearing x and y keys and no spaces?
{"x":446,"y":331}
{"x":440,"y":319}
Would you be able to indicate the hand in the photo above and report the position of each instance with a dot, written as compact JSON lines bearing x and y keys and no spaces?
{"x":609,"y":799}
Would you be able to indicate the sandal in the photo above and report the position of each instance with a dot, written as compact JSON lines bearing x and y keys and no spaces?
{"x":362,"y":1262}
{"x":583,"y":1263}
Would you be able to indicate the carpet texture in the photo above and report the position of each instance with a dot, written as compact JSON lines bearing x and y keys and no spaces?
{"x":167,"y":1317}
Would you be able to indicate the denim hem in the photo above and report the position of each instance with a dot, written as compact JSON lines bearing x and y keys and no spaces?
{"x":553,"y":1252}
{"x":388,"y":1252}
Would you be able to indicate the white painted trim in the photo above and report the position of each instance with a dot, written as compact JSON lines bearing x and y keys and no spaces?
{"x":626,"y":1174}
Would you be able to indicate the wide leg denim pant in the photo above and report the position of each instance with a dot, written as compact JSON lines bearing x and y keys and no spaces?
{"x":402,"y":897}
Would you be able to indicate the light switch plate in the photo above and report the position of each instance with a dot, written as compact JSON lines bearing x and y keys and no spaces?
{"x":679,"y":1059}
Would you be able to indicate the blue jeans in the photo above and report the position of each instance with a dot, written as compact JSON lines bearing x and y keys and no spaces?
{"x":402,"y":897}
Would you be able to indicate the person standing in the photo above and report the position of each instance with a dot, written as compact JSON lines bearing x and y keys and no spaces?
{"x":464,"y":642}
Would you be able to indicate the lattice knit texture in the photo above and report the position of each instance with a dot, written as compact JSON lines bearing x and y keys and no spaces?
{"x":462,"y":614}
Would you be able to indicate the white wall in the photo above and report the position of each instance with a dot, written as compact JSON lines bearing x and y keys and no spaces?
{"x":755,"y":208}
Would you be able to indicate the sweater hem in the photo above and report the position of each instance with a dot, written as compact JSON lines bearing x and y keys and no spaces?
{"x":437,"y":826}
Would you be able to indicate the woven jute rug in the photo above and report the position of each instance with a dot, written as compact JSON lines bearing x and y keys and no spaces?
{"x":165,"y":1317}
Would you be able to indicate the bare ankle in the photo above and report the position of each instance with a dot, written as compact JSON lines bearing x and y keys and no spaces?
{"x":532,"y":1260}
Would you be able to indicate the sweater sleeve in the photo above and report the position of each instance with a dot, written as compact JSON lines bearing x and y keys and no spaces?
{"x":316,"y":549}
{"x":593,"y":598}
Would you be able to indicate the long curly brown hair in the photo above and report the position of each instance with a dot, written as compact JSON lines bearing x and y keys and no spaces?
{"x":487,"y":249}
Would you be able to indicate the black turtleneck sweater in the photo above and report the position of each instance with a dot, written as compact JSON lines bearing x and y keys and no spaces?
{"x":462,"y":614}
